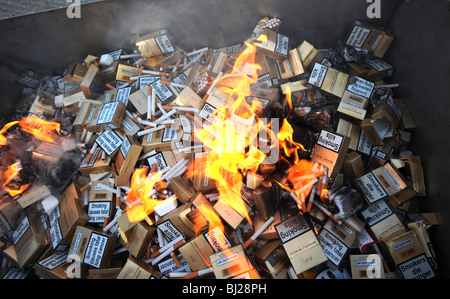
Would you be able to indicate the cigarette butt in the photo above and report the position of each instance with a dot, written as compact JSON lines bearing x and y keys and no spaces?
{"x":89,"y":157}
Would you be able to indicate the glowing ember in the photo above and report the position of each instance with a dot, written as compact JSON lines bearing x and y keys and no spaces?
{"x":6,"y":177}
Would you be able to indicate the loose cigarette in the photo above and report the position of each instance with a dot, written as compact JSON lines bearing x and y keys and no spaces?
{"x":178,"y":274}
{"x":388,"y":86}
{"x":178,"y":173}
{"x":169,"y":114}
{"x":130,"y":56}
{"x":91,"y":153}
{"x":153,"y":73}
{"x":181,"y":108}
{"x":140,"y":133}
{"x":169,"y":250}
{"x":311,"y":199}
{"x":199,"y":273}
{"x":110,"y":224}
{"x":149,"y":102}
{"x":258,"y":232}
{"x":153,"y":102}
{"x":329,"y":214}
{"x":197,"y":52}
{"x":175,"y":168}
{"x":150,"y":153}
{"x":192,"y":62}
{"x":172,"y":84}
{"x":108,"y":188}
{"x":100,"y":177}
{"x":167,"y":246}
{"x":177,"y":64}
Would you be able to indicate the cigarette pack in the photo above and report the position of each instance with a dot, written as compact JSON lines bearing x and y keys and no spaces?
{"x":139,"y":100}
{"x":29,"y":241}
{"x":155,"y":44}
{"x":353,"y":105}
{"x":182,"y":187}
{"x":267,"y":96}
{"x":54,"y":264}
{"x":188,"y":97}
{"x":91,"y":59}
{"x":295,"y":62}
{"x":273,"y":260}
{"x":33,"y":194}
{"x":125,"y":72}
{"x":382,"y":220}
{"x":101,"y":201}
{"x":163,"y":159}
{"x":270,"y":232}
{"x":386,"y":116}
{"x":276,"y":46}
{"x":216,"y":100}
{"x":353,"y":165}
{"x":268,"y":74}
{"x":80,"y":121}
{"x":177,"y":223}
{"x":198,"y":250}
{"x":300,"y":243}
{"x":408,"y":255}
{"x":374,"y":39}
{"x":40,"y":106}
{"x":162,"y":140}
{"x":129,"y":126}
{"x":66,"y":217}
{"x":126,"y":159}
{"x":336,"y":241}
{"x":309,"y":55}
{"x":328,"y":79}
{"x":330,"y":151}
{"x":200,"y":179}
{"x":367,"y":266}
{"x":118,"y":95}
{"x":138,"y":269}
{"x":10,"y":214}
{"x":109,"y":73}
{"x":423,"y":235}
{"x":218,"y":61}
{"x":381,"y":183}
{"x":30,"y":78}
{"x":139,"y":238}
{"x":232,"y":263}
{"x":161,"y":61}
{"x":407,"y":119}
{"x":96,"y":164}
{"x":93,"y":247}
{"x":416,"y":172}
{"x":91,"y":82}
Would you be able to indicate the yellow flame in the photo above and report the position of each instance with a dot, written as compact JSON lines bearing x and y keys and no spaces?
{"x":40,"y":129}
{"x":139,"y":197}
{"x":7,"y":176}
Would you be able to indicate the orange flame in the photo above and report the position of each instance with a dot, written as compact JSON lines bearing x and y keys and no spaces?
{"x":233,"y":147}
{"x":3,"y":130}
{"x":139,"y":197}
{"x":40,"y":129}
{"x":7,"y":176}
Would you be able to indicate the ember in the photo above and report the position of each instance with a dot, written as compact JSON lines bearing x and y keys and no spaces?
{"x":252,"y":161}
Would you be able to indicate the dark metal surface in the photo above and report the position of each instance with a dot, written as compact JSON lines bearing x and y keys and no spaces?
{"x":48,"y":42}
